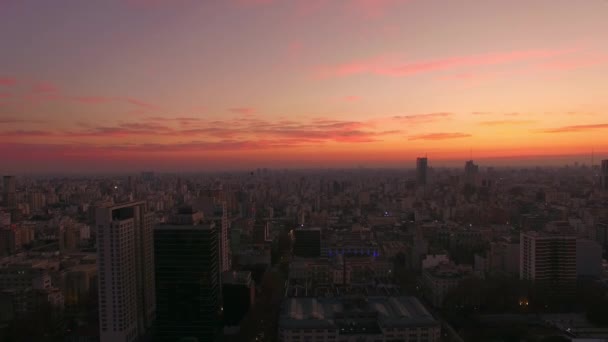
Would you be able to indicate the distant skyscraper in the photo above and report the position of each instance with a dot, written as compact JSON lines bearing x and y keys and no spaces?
{"x":422,"y":170}
{"x":470,"y":172}
{"x":187,"y":282}
{"x":548,"y":259}
{"x":126,"y":271}
{"x":225,"y":256}
{"x":604,"y":175}
{"x":9,"y":192}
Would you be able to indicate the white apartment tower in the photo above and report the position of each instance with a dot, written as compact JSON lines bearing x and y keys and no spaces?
{"x":125,"y":247}
{"x":548,"y":258}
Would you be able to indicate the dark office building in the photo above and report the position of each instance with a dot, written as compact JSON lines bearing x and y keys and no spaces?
{"x":187,"y":282}
{"x":604,"y":175}
{"x":238,"y":294}
{"x":307,"y":242}
{"x":422,"y":165}
{"x":8,"y":193}
{"x":471,"y":171}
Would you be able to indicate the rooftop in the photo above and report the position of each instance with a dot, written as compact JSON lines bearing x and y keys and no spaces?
{"x":332,"y":312}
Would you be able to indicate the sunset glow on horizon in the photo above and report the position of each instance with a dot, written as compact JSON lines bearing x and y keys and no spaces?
{"x":192,"y":85}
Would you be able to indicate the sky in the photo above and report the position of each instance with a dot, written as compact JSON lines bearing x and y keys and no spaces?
{"x":227,"y":84}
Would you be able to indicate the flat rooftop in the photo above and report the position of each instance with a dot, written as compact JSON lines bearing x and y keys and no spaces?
{"x":330,"y":313}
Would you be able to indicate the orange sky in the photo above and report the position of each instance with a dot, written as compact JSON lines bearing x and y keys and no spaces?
{"x":187,"y":85}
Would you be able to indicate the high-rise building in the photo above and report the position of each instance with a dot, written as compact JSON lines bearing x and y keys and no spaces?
{"x":422,"y":170}
{"x":225,"y":256}
{"x":36,"y":201}
{"x":307,"y":242}
{"x":470,"y":172}
{"x":604,"y":175}
{"x":588,"y":258}
{"x":548,"y":259}
{"x":187,"y":281}
{"x":9,"y":192}
{"x":9,"y":241}
{"x":126,"y":271}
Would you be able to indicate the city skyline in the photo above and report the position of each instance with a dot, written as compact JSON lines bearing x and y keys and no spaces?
{"x":187,"y":85}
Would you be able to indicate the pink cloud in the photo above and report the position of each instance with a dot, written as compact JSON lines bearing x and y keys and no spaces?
{"x":155,"y":4}
{"x":440,"y":136}
{"x":44,"y":87}
{"x":506,"y":122}
{"x":577,"y":128}
{"x":26,"y":133}
{"x":4,"y":81}
{"x":423,"y":118}
{"x":382,"y":66}
{"x":351,"y":98}
{"x":139,"y":103}
{"x":14,"y":120}
{"x":248,"y":3}
{"x":573,"y":63}
{"x":317,"y":131}
{"x":374,"y":8}
{"x":242,"y":110}
{"x":294,"y":50}
{"x":92,"y":99}
{"x":5,"y":95}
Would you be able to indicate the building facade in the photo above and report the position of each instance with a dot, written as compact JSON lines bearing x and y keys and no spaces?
{"x":549,"y":259}
{"x":9,"y":192}
{"x":422,"y":165}
{"x":187,"y":282}
{"x":370,"y":319}
{"x":126,"y":271}
{"x":604,"y":175}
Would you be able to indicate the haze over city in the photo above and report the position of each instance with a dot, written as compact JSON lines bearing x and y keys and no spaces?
{"x":125,"y":85}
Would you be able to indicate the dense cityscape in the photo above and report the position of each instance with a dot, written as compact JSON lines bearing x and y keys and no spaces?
{"x":429,"y":254}
{"x":303,"y":171}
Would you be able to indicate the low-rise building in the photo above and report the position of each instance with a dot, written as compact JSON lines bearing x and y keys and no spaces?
{"x":439,"y":280}
{"x":357,"y":319}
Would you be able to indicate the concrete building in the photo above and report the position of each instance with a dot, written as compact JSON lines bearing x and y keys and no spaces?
{"x":37,"y":201}
{"x":357,"y":319}
{"x":79,"y":282}
{"x":549,"y":259}
{"x":439,"y":280}
{"x":23,"y":276}
{"x":504,"y":257}
{"x":187,"y":281}
{"x":5,"y":219}
{"x":126,"y":271}
{"x":588,"y":258}
{"x":422,"y":171}
{"x":434,"y":260}
{"x":9,"y":192}
{"x":9,"y":241}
